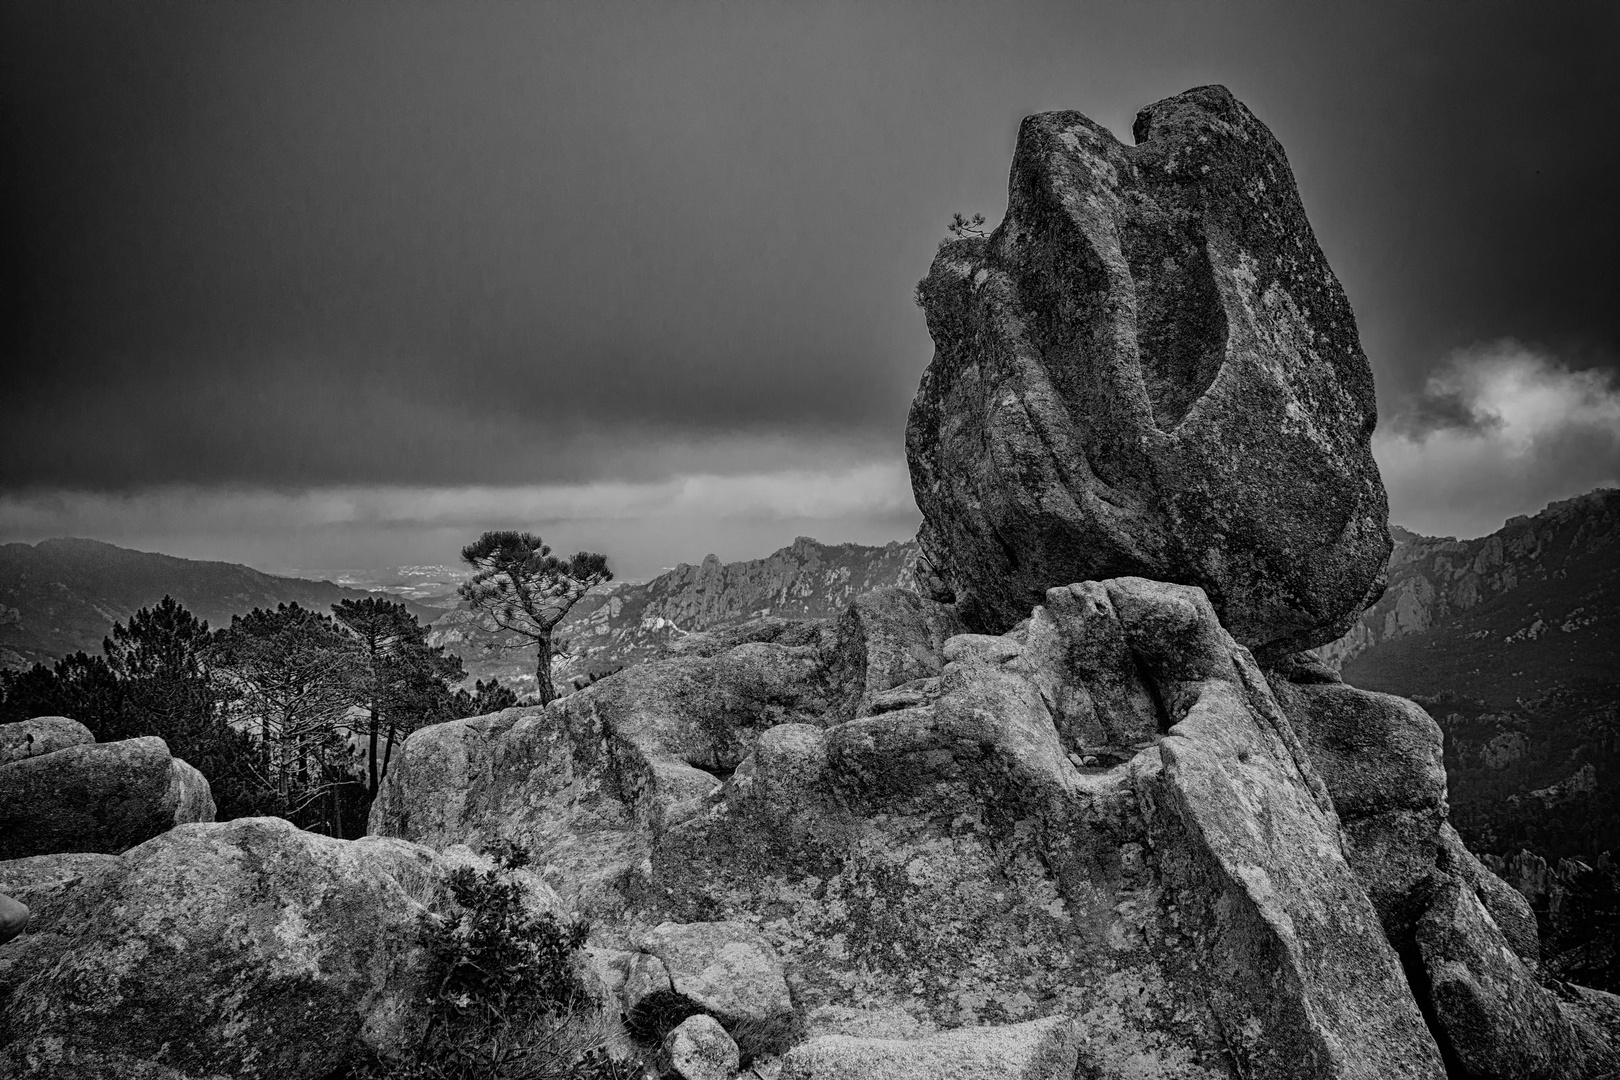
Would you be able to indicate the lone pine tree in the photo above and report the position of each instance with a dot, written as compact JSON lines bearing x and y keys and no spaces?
{"x":525,"y":589}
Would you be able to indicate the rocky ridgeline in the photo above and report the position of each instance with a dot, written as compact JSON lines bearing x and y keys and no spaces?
{"x":1558,"y":568}
{"x":625,"y":623}
{"x":1051,"y":820}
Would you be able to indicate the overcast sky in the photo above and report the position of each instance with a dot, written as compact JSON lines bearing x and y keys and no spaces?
{"x":337,"y":285}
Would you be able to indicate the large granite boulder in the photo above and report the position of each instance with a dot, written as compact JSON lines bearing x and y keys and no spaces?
{"x":1149,"y":369}
{"x":89,"y":796}
{"x":246,"y":949}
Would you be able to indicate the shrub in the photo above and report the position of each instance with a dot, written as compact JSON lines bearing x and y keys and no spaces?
{"x":508,"y":1002}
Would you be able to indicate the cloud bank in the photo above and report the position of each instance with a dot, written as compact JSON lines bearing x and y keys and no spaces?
{"x":1502,"y":428}
{"x":642,"y":526}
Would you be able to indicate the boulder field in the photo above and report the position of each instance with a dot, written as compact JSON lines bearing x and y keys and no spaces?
{"x":1078,"y":807}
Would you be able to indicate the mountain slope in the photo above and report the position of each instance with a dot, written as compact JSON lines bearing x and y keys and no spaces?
{"x":628,"y":622}
{"x":62,"y":595}
{"x":1512,"y":642}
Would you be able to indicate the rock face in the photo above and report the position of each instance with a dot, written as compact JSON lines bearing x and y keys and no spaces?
{"x":1149,"y":369}
{"x":246,"y":949}
{"x":89,"y":796}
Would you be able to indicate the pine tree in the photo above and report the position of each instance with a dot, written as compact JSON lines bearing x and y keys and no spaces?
{"x":523,"y":588}
{"x":404,"y":684}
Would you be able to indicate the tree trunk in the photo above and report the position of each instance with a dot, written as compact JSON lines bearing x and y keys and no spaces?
{"x":542,"y":669}
{"x":372,"y":779}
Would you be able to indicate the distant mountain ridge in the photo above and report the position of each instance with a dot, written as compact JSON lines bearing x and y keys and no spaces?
{"x":625,"y":623}
{"x":1512,"y":642}
{"x":1533,"y":606}
{"x":63,"y":595}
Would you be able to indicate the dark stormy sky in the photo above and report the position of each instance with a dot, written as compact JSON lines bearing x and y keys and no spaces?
{"x":323,"y":285}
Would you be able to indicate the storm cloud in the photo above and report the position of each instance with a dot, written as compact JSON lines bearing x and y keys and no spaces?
{"x":284,"y":251}
{"x":1501,"y":429}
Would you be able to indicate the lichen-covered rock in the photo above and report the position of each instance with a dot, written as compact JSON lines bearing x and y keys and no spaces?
{"x":44,"y":883}
{"x":41,"y":735}
{"x":244,"y":949}
{"x":101,"y":797}
{"x":700,"y":1049}
{"x":1149,"y":369}
{"x":728,"y":970}
{"x":1495,"y":1017}
{"x":1046,"y":1049}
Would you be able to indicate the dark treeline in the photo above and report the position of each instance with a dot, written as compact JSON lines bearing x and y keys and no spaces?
{"x":290,"y":713}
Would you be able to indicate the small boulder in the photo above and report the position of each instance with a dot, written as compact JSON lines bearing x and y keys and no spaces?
{"x":1046,"y":1049}
{"x":41,"y":735}
{"x":700,"y":1049}
{"x":729,"y":970}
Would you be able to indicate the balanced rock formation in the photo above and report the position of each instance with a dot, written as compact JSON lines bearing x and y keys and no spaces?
{"x":1149,"y":369}
{"x":247,"y":948}
{"x":61,"y":791}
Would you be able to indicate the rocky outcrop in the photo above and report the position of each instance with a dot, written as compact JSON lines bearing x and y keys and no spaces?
{"x":1131,"y":830}
{"x":1145,"y":317}
{"x":247,"y":948}
{"x":89,"y":796}
{"x":953,"y":862}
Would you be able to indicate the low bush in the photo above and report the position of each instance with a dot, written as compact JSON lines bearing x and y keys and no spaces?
{"x":508,"y":1002}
